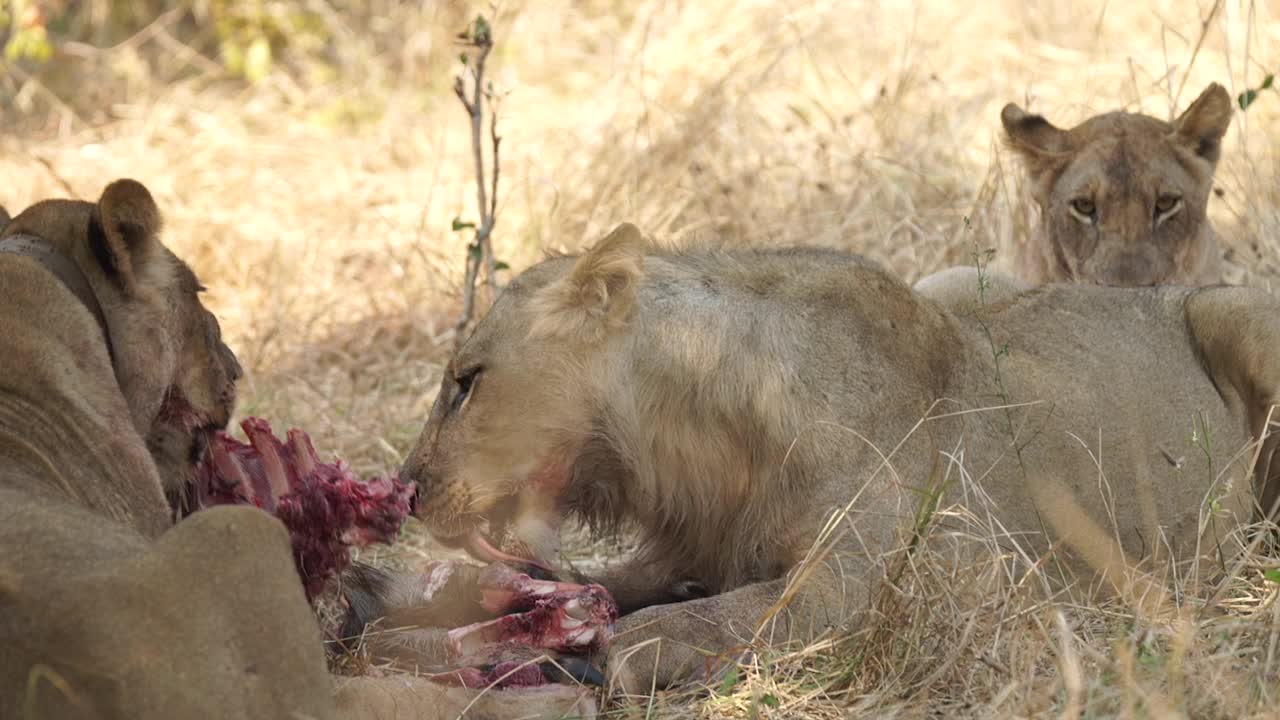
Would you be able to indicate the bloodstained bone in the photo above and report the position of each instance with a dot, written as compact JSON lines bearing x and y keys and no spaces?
{"x":327,"y":510}
{"x":325,"y":507}
{"x":509,"y":630}
{"x":554,"y":616}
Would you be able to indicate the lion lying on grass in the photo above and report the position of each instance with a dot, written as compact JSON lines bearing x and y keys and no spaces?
{"x":112,"y":377}
{"x":734,"y":406}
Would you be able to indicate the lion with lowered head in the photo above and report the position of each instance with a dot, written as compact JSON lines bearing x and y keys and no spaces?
{"x":112,"y":603}
{"x":1122,"y":196}
{"x":112,"y":372}
{"x":733,"y":406}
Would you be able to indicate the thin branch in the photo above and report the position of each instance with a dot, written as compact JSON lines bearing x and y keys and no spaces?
{"x":1204,"y":32}
{"x":53,"y":172}
{"x":479,"y":38}
{"x":484,"y":41}
{"x":490,"y":260}
{"x":468,"y":302}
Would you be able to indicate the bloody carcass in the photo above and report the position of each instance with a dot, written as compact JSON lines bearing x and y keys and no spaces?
{"x":326,"y":508}
{"x":458,"y":623}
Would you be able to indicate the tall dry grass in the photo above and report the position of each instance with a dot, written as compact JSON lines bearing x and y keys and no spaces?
{"x":317,"y":209}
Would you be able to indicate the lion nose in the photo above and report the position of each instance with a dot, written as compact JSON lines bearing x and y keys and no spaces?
{"x":413,"y":470}
{"x":1128,"y":269}
{"x":234,"y":370}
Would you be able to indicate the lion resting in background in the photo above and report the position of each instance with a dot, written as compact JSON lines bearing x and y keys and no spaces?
{"x":733,"y":406}
{"x":1123,"y":196}
{"x":111,"y":374}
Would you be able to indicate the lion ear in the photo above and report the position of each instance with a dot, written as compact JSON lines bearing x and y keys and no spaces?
{"x":1202,"y":125}
{"x":123,"y":228}
{"x":597,"y":294}
{"x":1037,"y":140}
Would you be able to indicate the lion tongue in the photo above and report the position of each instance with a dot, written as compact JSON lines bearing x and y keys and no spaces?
{"x":480,"y":548}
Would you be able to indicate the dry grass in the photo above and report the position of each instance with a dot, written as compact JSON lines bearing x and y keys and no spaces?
{"x":318,"y":212}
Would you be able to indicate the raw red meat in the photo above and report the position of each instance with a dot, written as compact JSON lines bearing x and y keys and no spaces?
{"x":327,"y":509}
{"x":562,"y":617}
{"x":491,"y":626}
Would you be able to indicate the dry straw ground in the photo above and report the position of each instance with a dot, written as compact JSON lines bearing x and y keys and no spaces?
{"x":317,"y":209}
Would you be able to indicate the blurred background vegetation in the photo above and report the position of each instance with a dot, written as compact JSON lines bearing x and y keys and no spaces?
{"x":61,"y":43}
{"x":313,"y":165}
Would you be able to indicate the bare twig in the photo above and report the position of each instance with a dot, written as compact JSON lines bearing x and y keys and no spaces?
{"x":53,"y":173}
{"x":28,"y":83}
{"x":491,"y":263}
{"x":1204,"y":32}
{"x":479,"y":40}
{"x":159,"y":25}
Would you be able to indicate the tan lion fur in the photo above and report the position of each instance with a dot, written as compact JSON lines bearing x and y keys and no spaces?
{"x":1121,"y":165}
{"x":108,"y":609}
{"x":405,"y":697}
{"x":743,"y":403}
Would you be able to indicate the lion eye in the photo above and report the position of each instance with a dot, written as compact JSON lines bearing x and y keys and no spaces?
{"x":466,"y":380}
{"x":1084,"y":208}
{"x":1167,"y":204}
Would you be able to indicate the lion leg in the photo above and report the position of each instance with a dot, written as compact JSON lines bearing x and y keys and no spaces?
{"x":412,"y":698}
{"x":664,"y":645}
{"x":462,"y":623}
{"x":1238,"y":333}
{"x":209,"y":621}
{"x":44,"y":669}
{"x":634,"y":588}
{"x":231,"y":571}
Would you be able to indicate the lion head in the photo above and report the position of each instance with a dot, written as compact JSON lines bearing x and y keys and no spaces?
{"x":173,"y":369}
{"x":1123,"y":196}
{"x":514,"y":421}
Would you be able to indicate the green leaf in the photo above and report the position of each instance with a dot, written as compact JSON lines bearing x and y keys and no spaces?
{"x":232,"y":56}
{"x":1267,"y":81}
{"x":500,"y":265}
{"x":459,"y":224}
{"x":730,"y":679}
{"x":481,"y":29}
{"x":257,"y":59}
{"x":769,"y":700}
{"x":1148,"y":659}
{"x":1246,"y":98}
{"x":1273,"y":575}
{"x":473,"y":250}
{"x":29,"y":44}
